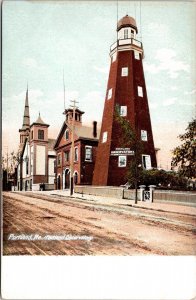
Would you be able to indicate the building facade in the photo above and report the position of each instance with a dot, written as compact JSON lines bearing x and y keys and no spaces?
{"x":126,"y":90}
{"x":37,"y":156}
{"x":85,"y":149}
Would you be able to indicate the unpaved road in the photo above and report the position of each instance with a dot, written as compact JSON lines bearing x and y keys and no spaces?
{"x":114,"y":230}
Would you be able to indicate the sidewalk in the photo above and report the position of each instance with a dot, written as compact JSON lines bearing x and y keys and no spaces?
{"x":165,"y":207}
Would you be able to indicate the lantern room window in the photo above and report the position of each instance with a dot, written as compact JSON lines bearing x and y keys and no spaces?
{"x":126,"y":34}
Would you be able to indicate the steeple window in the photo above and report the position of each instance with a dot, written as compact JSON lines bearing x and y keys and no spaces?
{"x":40,"y":134}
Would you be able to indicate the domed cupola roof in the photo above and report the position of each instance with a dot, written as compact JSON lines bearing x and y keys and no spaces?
{"x":127,"y":22}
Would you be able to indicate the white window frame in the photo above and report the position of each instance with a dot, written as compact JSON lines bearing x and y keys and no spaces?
{"x":137,"y":55}
{"x":89,"y":147}
{"x":124,"y":71}
{"x":149,"y":166}
{"x":76,"y":151}
{"x":140,"y":91}
{"x":109,"y":94}
{"x":120,"y":164}
{"x":123,"y":111}
{"x":104,"y":137}
{"x":144,"y":135}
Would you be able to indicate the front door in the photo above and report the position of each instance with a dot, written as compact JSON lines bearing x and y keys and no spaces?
{"x":67,"y":179}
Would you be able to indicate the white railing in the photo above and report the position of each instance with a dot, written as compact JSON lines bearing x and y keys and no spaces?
{"x":123,"y":42}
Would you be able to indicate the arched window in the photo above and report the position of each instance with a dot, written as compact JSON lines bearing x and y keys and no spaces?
{"x":67,"y":135}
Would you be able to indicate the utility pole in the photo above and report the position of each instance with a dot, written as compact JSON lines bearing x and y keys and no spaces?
{"x":7,"y":169}
{"x":72,"y":147}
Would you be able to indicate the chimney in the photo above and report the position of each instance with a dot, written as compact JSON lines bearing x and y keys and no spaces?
{"x":94,"y":129}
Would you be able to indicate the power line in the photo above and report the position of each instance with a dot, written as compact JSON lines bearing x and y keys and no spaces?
{"x":64,"y":89}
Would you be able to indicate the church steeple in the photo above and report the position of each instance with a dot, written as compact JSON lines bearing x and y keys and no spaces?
{"x":26,"y":117}
{"x":24,"y":131}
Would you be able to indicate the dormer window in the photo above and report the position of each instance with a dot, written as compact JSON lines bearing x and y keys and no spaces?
{"x":125,"y":33}
{"x":40,"y":134}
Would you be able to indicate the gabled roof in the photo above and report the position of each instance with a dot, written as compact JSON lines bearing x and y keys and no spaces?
{"x":82,"y":132}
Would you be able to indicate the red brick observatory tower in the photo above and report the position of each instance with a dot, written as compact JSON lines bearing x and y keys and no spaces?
{"x":126,"y":88}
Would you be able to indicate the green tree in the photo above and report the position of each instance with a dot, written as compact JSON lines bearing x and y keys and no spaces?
{"x":129,"y":138}
{"x":184,"y":155}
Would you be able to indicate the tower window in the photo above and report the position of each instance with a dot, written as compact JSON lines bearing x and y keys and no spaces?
{"x":109,"y":94}
{"x":32,"y":134}
{"x":40,"y":134}
{"x":123,"y":111}
{"x":144,"y":135}
{"x":136,"y":55}
{"x":140,"y":91}
{"x":146,"y":162}
{"x":124,"y":72}
{"x":88,"y":153}
{"x":122,"y":161}
{"x":105,"y":136}
{"x":132,"y":33}
{"x":76,"y":154}
{"x":126,"y":34}
{"x":67,"y":135}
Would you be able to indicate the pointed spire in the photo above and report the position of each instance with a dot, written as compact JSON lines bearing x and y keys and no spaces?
{"x":26,"y":117}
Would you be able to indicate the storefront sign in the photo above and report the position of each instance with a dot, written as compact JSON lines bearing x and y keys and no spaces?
{"x":122,"y":151}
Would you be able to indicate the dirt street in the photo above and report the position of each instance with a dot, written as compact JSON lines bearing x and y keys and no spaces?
{"x":110,"y":230}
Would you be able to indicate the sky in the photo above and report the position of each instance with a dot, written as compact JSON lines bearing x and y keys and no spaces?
{"x":40,"y":39}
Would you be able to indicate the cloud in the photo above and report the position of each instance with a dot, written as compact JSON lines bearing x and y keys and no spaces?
{"x":153,"y":105}
{"x":103,"y":70}
{"x":169,"y":101}
{"x":167,"y":61}
{"x":192,"y":92}
{"x":30,"y":62}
